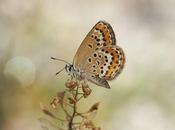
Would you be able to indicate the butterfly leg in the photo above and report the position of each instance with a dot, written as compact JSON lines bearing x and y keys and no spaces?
{"x":84,"y":81}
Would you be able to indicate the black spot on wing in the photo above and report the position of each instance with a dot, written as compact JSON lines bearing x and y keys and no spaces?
{"x":90,"y":45}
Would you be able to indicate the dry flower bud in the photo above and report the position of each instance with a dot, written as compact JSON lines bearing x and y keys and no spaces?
{"x":89,"y":124}
{"x":58,"y":99}
{"x":96,"y":128}
{"x":71,"y":100}
{"x":87,"y":91}
{"x":94,"y":107}
{"x":71,"y":84}
{"x":92,"y":111}
{"x":54,"y":103}
{"x":86,"y":124}
{"x":60,"y":95}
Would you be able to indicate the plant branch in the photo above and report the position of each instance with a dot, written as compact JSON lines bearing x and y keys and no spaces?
{"x":74,"y":109}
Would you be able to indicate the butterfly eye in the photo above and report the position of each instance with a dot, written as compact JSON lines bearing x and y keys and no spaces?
{"x":70,"y":69}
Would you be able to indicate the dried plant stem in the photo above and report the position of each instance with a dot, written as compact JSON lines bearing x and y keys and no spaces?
{"x":65,"y":111}
{"x":70,"y":124}
{"x":68,"y":101}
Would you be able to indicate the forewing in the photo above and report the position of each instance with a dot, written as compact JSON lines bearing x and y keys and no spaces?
{"x":101,"y":35}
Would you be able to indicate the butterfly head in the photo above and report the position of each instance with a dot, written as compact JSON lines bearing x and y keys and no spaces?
{"x":69,"y":69}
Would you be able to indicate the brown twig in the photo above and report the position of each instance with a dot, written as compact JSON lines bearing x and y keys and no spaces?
{"x":74,"y":109}
{"x":75,"y":91}
{"x":65,"y":111}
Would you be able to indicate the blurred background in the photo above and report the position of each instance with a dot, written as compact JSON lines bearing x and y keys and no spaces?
{"x":141,"y":98}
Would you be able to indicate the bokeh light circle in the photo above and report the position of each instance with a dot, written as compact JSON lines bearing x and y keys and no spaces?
{"x":21,"y":69}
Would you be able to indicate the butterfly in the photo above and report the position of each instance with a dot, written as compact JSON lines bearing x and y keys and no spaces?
{"x":98,"y":59}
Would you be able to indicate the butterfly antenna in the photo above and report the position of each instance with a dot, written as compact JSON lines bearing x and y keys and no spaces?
{"x":53,"y":58}
{"x":59,"y":71}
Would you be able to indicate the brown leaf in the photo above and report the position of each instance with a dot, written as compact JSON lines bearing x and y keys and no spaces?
{"x":58,"y":99}
{"x":86,"y":90}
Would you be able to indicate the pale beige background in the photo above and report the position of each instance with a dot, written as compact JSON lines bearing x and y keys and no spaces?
{"x":141,"y":98}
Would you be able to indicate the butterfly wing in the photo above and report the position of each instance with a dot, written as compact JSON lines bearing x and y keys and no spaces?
{"x":100,"y":35}
{"x":104,"y":64}
{"x":98,"y":81}
{"x":98,"y":57}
